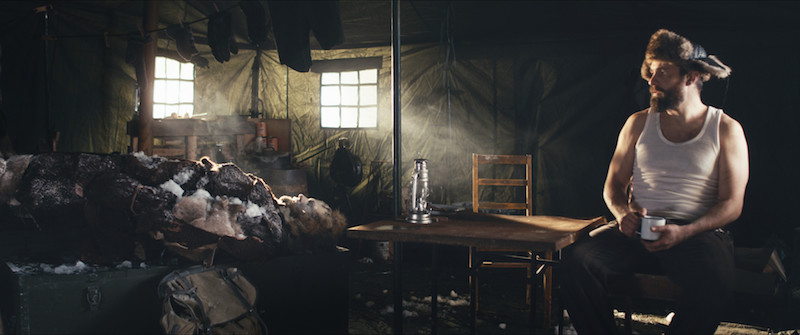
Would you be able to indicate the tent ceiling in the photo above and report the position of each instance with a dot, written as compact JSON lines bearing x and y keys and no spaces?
{"x":368,"y":23}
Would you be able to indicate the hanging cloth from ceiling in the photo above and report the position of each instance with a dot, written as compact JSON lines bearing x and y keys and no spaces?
{"x":293,"y":20}
{"x":256,"y":22}
{"x":220,"y":36}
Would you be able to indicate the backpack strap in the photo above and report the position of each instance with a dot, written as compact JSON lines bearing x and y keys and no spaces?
{"x":180,"y":275}
{"x":237,"y":291}
{"x":192,"y":292}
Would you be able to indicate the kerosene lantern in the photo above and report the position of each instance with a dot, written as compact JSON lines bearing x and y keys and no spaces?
{"x":420,"y":211}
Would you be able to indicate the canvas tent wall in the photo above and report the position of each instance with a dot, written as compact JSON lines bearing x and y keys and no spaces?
{"x":554,"y":79}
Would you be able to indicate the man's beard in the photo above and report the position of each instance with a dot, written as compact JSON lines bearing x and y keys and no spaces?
{"x":670,"y":99}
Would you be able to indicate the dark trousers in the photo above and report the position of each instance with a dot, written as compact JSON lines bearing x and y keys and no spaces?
{"x":702,"y":265}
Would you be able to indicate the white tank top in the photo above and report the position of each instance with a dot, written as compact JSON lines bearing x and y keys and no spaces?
{"x":677,"y":180}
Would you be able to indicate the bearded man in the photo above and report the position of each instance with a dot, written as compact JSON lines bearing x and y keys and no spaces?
{"x":679,"y":159}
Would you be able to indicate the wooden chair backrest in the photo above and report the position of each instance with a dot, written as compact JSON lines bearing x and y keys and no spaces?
{"x":479,"y":160}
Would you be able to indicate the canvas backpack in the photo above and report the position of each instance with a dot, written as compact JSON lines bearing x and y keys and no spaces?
{"x":215,"y":300}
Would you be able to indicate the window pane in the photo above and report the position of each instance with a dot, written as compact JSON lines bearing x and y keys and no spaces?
{"x":161,"y":67}
{"x":173,"y":89}
{"x":350,"y":77}
{"x":369,"y":95}
{"x":186,"y":110}
{"x":159,"y":87}
{"x":158,"y":111}
{"x":187,"y":71}
{"x":329,"y":96}
{"x":369,"y":76}
{"x":349,"y":117}
{"x":330,"y":78}
{"x":349,"y":99}
{"x":187,"y":91}
{"x":329,"y":117}
{"x":173,"y":68}
{"x":368,"y":117}
{"x":350,"y":95}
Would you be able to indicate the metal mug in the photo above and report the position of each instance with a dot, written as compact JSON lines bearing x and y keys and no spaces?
{"x":648,"y":222}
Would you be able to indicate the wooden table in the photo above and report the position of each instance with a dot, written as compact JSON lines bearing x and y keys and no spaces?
{"x":243,"y":129}
{"x":539,"y":233}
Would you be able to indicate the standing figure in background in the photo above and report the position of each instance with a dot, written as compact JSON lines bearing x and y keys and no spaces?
{"x":679,"y":159}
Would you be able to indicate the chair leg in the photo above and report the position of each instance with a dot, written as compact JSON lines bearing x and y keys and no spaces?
{"x":628,"y":316}
{"x":477,"y":295}
{"x":528,"y":286}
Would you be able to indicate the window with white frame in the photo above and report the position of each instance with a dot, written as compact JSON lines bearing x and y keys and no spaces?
{"x":349,"y":99}
{"x":173,"y":90}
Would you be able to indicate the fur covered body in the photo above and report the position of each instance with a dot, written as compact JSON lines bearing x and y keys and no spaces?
{"x":124,"y":201}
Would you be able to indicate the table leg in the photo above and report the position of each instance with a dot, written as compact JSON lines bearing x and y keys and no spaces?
{"x":134,"y":144}
{"x":434,"y":289}
{"x":473,"y":294}
{"x":397,"y":288}
{"x":532,"y":307}
{"x":547,"y":289}
{"x":558,"y":295}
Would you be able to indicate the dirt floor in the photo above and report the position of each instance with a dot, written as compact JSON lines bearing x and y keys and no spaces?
{"x":502,"y":305}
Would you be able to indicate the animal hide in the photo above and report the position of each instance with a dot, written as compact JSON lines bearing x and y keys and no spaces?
{"x":193,"y":208}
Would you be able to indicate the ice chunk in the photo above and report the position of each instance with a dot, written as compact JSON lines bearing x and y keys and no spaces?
{"x":172,"y":186}
{"x":201,"y":193}
{"x":407,"y":313}
{"x":254,"y":210}
{"x":70,"y":269}
{"x":148,"y":161}
{"x":125,"y":265}
{"x":183,"y":176}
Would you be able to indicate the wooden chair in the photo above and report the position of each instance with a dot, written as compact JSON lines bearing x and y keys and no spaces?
{"x":504,"y":258}
{"x":642,"y":286}
{"x":757,"y":273}
{"x":624,"y":289}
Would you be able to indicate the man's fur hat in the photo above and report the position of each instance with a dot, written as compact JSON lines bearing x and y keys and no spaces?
{"x":668,"y":46}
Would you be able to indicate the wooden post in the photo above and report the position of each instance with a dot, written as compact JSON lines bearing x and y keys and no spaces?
{"x":150,"y":23}
{"x":256,"y":69}
{"x":191,"y":147}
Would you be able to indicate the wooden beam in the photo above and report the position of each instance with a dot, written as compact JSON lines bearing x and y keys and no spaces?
{"x":150,"y":23}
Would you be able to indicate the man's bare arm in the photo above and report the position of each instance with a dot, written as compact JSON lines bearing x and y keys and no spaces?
{"x":734,"y":172}
{"x":620,"y":170}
